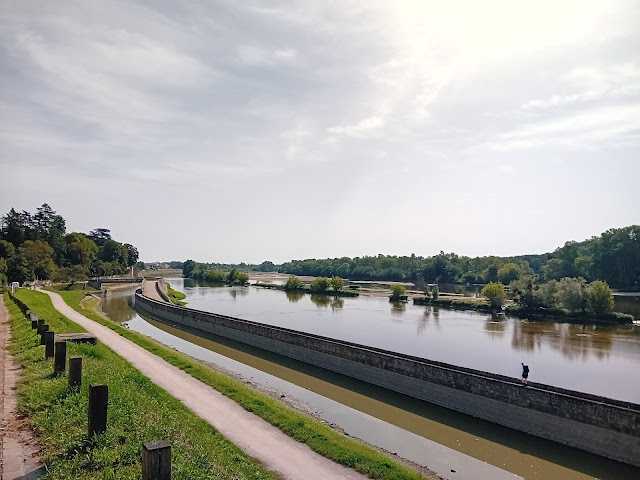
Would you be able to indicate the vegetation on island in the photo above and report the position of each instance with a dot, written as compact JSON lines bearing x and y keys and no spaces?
{"x":200,"y":271}
{"x":37,"y":247}
{"x":139,"y":411}
{"x":571,"y":298}
{"x":398,"y":292}
{"x":320,"y":285}
{"x":319,"y":436}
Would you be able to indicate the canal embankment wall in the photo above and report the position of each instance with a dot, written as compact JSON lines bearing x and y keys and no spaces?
{"x":599,"y":425}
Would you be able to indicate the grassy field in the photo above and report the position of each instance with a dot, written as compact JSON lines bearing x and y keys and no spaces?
{"x":303,"y":428}
{"x":139,"y":412}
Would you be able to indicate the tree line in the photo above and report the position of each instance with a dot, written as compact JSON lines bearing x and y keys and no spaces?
{"x":37,"y":246}
{"x":613,"y":257}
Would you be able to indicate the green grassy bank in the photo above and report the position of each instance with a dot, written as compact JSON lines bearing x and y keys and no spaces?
{"x":139,"y":412}
{"x":175,"y":296}
{"x":303,"y":428}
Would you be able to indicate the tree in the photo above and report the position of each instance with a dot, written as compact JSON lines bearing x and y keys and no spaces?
{"x":100,"y":236}
{"x":337,"y":283}
{"x":508,"y":273}
{"x":132,"y":254}
{"x":7,"y":249}
{"x":293,"y":283}
{"x":495,"y":294}
{"x":3,"y":271}
{"x":600,"y":297}
{"x":319,"y":284}
{"x":215,"y":275}
{"x":187,"y":268}
{"x":80,"y":250}
{"x":39,"y":258}
{"x":397,"y":292}
{"x":572,"y":294}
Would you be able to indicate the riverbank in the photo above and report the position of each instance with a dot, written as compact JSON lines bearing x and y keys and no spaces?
{"x":139,"y":411}
{"x":613,"y":318}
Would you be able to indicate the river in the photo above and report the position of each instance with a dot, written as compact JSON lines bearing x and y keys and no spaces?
{"x":396,"y":422}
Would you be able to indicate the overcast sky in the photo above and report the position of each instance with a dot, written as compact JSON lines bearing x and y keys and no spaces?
{"x":248,"y":131}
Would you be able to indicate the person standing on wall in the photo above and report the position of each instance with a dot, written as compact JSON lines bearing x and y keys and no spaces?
{"x":525,"y":373}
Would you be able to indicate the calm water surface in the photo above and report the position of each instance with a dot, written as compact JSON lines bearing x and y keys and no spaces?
{"x":602,"y":360}
{"x":393,"y":421}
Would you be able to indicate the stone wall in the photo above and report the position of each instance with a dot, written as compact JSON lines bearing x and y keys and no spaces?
{"x":596,"y":424}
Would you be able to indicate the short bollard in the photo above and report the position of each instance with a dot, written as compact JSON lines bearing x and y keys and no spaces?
{"x":40,"y":323}
{"x":156,"y":460}
{"x":33,"y":316}
{"x":60,"y":360}
{"x":75,"y":372}
{"x":49,"y":338}
{"x":98,"y":397}
{"x":43,"y":331}
{"x":34,"y":324}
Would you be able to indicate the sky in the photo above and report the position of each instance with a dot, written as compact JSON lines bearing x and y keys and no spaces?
{"x":228,"y":131}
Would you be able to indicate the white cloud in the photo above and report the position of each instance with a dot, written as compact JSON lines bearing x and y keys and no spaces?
{"x":360,"y":128}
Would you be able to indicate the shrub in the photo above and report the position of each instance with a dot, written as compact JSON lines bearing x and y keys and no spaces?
{"x":320,"y":284}
{"x":494,"y":293}
{"x":337,"y":283}
{"x":397,"y":292}
{"x":293,"y":283}
{"x":600,"y":297}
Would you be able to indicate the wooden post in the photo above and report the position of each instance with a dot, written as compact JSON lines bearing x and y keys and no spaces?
{"x":34,"y":324}
{"x":43,"y":331}
{"x":33,"y":317}
{"x":49,"y":338}
{"x":60,"y":360}
{"x":75,"y":372}
{"x":98,"y":397}
{"x":40,"y":323}
{"x":156,"y":460}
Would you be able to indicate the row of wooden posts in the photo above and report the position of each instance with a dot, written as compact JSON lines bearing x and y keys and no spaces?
{"x":156,"y":456}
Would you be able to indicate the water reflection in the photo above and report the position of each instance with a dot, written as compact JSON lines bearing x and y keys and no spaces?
{"x":324,"y":301}
{"x":495,"y":326}
{"x":119,"y":307}
{"x":398,"y":308}
{"x":576,"y":342}
{"x":294,"y":297}
{"x":238,"y":292}
{"x":628,"y":304}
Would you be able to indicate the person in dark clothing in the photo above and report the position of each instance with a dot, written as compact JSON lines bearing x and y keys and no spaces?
{"x":525,"y":373}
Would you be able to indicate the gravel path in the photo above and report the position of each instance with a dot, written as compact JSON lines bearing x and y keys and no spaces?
{"x":19,"y":451}
{"x":279,"y":453}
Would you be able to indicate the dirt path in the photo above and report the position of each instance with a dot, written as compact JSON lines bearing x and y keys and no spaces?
{"x":19,"y":451}
{"x":279,"y":453}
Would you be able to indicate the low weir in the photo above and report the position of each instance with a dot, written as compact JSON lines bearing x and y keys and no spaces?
{"x":599,"y":425}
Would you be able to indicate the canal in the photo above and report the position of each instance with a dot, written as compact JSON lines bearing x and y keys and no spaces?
{"x":414,"y":429}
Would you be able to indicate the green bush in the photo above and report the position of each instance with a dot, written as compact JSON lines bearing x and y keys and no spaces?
{"x":320,"y":284}
{"x":293,"y":283}
{"x":494,"y":293}
{"x":397,"y":292}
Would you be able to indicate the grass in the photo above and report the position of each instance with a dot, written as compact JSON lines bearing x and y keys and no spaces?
{"x":320,"y":437}
{"x":139,"y":411}
{"x":175,"y":296}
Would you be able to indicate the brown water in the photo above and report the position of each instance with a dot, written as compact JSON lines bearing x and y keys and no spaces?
{"x":394,"y":421}
{"x":589,"y":358}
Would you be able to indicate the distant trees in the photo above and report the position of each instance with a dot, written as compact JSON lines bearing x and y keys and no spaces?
{"x":37,"y":246}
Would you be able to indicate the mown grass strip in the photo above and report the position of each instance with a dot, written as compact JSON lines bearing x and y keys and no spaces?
{"x":320,"y":437}
{"x":139,"y":411}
